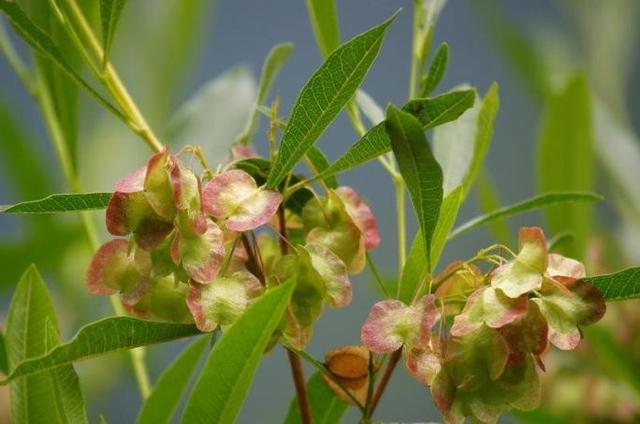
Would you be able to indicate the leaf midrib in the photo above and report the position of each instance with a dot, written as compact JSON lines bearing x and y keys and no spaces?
{"x":301,"y":144}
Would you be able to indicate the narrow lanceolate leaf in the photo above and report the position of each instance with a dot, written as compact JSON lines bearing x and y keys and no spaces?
{"x":619,"y":285}
{"x":415,"y":267}
{"x":565,"y":159}
{"x":447,"y":218}
{"x":320,"y":162}
{"x":44,"y":46}
{"x":53,"y":396}
{"x":229,"y":370}
{"x":109,"y":14}
{"x":323,"y":97}
{"x":439,"y":110}
{"x":430,"y":112}
{"x":166,"y":394}
{"x":4,"y":364}
{"x":483,"y":136}
{"x":326,"y":408}
{"x":537,"y":202}
{"x":462,"y":146}
{"x":324,"y":20}
{"x":419,"y":168}
{"x":65,"y":202}
{"x":413,"y":270}
{"x":277,"y":57}
{"x":102,"y":337}
{"x":436,"y":70}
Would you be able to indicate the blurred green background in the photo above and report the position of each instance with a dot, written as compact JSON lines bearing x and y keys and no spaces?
{"x":567,"y":73}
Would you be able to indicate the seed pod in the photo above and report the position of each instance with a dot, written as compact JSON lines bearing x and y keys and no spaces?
{"x":350,"y":367}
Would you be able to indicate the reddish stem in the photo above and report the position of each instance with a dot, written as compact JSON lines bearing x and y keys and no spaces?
{"x":301,"y":390}
{"x":384,"y":380}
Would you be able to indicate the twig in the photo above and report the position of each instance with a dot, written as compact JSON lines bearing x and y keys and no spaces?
{"x":384,"y":380}
{"x":299,"y":382}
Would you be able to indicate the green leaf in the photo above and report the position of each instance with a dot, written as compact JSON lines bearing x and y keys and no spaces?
{"x":110,"y":11}
{"x":66,"y":385}
{"x":51,"y":397}
{"x":446,"y":219}
{"x":419,"y":168}
{"x":215,"y":114}
{"x":101,"y":337}
{"x":565,"y":159}
{"x":57,"y":92}
{"x":413,"y":270}
{"x":536,"y":202}
{"x":321,"y":165}
{"x":326,"y":408}
{"x":328,"y":90}
{"x":372,"y":144}
{"x":436,"y":70}
{"x":277,"y":57}
{"x":60,"y":203}
{"x":163,"y":401}
{"x":43,"y":45}
{"x":225,"y":380}
{"x":415,"y":267}
{"x":441,"y":109}
{"x":619,"y":285}
{"x":324,"y":20}
{"x":483,"y":135}
{"x":461,"y":146}
{"x":4,"y":364}
{"x":431,"y":112}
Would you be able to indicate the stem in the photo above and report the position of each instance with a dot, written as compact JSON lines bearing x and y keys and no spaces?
{"x":415,"y":54}
{"x":111,"y":79}
{"x":398,"y":182}
{"x":42,"y":96}
{"x":384,"y":380}
{"x":253,"y":264}
{"x":14,"y":60}
{"x":294,"y":360}
{"x":137,"y":357}
{"x":299,"y":382}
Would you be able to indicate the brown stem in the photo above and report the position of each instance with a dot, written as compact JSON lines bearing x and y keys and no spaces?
{"x":283,"y":231}
{"x":253,"y":264}
{"x":384,"y":380}
{"x":301,"y":390}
